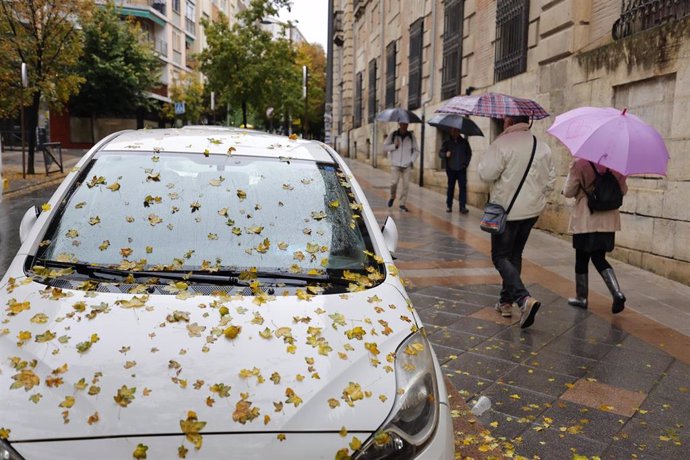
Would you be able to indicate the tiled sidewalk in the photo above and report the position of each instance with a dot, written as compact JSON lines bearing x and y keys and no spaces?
{"x":578,"y":382}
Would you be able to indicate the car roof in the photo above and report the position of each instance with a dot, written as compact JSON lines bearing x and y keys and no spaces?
{"x":216,"y":140}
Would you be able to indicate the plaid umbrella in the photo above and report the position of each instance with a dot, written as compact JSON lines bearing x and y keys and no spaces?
{"x":494,"y":105}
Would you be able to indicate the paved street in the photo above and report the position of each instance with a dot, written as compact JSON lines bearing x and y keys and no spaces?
{"x":576,"y":382}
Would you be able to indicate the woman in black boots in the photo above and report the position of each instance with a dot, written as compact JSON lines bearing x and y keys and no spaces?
{"x":593,"y":231}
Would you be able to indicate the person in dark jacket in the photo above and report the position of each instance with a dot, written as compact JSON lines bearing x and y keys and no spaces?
{"x":457,"y":153}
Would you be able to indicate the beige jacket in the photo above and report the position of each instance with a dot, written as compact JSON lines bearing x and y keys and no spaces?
{"x":406,"y":153}
{"x":581,"y":176}
{"x":504,"y":164}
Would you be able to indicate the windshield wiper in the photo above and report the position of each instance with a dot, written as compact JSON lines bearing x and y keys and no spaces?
{"x":102,"y":273}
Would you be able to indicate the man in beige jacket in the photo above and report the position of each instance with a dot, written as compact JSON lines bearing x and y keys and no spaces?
{"x":503,"y":166}
{"x":401,"y":146}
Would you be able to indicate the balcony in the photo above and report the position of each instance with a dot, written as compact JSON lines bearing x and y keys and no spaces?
{"x":159,"y":5}
{"x":639,"y":15}
{"x":190,"y":27}
{"x":161,"y":47}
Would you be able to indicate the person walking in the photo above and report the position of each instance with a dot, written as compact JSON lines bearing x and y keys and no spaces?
{"x":503,"y":166}
{"x":593,"y":232}
{"x":457,"y":153}
{"x":403,"y":150}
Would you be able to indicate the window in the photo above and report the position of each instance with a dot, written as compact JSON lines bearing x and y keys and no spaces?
{"x":639,"y":15}
{"x":512,"y":20}
{"x":414,"y":93}
{"x":372,"y":90}
{"x":390,"y":74}
{"x":176,"y":6}
{"x":358,"y":100}
{"x":452,"y":48}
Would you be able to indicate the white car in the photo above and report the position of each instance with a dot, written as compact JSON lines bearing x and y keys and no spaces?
{"x":213,"y":293}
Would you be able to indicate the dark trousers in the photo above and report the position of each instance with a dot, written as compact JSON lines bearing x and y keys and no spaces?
{"x":582,"y":259}
{"x":506,"y":254}
{"x":461,"y":178}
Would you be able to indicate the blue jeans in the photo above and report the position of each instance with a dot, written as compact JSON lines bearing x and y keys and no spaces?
{"x":506,"y":254}
{"x":461,"y":178}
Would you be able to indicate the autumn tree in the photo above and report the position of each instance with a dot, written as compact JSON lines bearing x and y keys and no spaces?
{"x":314,"y":57}
{"x":45,"y":35}
{"x":245,"y":66}
{"x":190,"y":90}
{"x":118,"y":60}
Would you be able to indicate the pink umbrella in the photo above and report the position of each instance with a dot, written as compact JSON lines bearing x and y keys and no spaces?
{"x":495,"y":105}
{"x":612,"y":138}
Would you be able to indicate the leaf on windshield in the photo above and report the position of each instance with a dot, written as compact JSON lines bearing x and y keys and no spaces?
{"x":231,"y":149}
{"x":236,"y":231}
{"x":153,"y":177}
{"x":94,"y":220}
{"x":231,"y":332}
{"x":195,"y":206}
{"x":47,"y":336}
{"x":212,"y":236}
{"x":215,"y":141}
{"x":283,"y":246}
{"x":264,"y":246}
{"x":195,"y":330}
{"x":72,"y":233}
{"x":80,"y":205}
{"x":241,"y":194}
{"x":333,"y":204}
{"x":39,"y":318}
{"x":191,"y":428}
{"x":68,"y":402}
{"x":352,"y":392}
{"x":223,"y":212}
{"x":150,"y":200}
{"x":292,"y":398}
{"x":255,"y":230}
{"x":318,"y":215}
{"x":95,"y":181}
{"x":216,"y":182}
{"x":45,"y":207}
{"x":154,"y":219}
{"x":221,"y":389}
{"x":126,"y":252}
{"x":114,"y":187}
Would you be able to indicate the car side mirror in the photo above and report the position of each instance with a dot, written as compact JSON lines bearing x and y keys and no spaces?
{"x":28,"y":221}
{"x":390,"y":234}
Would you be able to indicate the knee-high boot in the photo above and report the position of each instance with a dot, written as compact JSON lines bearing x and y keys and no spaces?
{"x":614,"y":288}
{"x":581,"y":291}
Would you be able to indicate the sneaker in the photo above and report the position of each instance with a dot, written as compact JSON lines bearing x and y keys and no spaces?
{"x":390,"y":202}
{"x":404,"y":208}
{"x":448,"y":210}
{"x":504,"y":308}
{"x":464,"y":210}
{"x":529,"y":309}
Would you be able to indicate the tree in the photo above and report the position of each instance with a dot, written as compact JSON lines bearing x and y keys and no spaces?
{"x":243,"y":63}
{"x":314,"y":57}
{"x":189,"y":90}
{"x":117,"y":60}
{"x":44,"y":35}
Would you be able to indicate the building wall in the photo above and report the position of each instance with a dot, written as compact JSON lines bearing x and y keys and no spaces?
{"x":572,"y":61}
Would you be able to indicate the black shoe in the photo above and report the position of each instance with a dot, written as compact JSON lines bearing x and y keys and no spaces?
{"x":464,"y":211}
{"x":449,"y":210}
{"x":390,"y":202}
{"x":404,"y":208}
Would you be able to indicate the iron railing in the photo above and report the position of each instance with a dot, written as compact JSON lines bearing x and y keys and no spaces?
{"x":414,"y":88}
{"x":372,"y":91}
{"x":452,"y":48}
{"x":512,"y":19}
{"x":639,"y":15}
{"x":390,"y":74}
{"x":358,"y":101}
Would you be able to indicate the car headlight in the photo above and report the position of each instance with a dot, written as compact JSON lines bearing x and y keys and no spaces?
{"x":7,"y":453}
{"x":414,"y":416}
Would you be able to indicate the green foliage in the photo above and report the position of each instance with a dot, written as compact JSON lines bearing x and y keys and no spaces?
{"x":44,"y":35}
{"x":245,"y":66}
{"x":118,"y":60}
{"x":189,"y":90}
{"x":314,"y":57}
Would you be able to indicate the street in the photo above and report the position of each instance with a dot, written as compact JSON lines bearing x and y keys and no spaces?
{"x":12,"y":210}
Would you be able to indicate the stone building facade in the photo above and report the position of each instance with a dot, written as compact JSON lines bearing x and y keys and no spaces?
{"x":563,"y":54}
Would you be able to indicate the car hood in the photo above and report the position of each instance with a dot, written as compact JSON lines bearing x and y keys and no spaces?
{"x":79,"y":364}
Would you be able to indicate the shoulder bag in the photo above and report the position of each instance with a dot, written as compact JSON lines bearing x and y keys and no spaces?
{"x":494,"y":218}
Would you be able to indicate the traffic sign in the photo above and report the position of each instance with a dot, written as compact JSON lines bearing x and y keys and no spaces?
{"x":179,"y":108}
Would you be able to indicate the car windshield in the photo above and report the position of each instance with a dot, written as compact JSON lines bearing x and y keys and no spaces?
{"x":183,"y":212}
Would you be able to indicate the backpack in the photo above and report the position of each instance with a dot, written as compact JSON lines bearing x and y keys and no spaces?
{"x":607,"y":194}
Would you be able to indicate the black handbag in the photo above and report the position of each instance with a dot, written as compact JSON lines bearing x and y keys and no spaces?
{"x":494,"y":218}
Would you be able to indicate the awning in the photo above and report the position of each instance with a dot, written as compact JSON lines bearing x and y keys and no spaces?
{"x":141,"y":13}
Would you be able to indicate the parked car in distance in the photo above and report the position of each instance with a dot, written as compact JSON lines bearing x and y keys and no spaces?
{"x":213,"y":293}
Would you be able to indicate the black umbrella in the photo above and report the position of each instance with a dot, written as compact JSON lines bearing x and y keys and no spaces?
{"x":398,"y":115}
{"x":449,"y":120}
